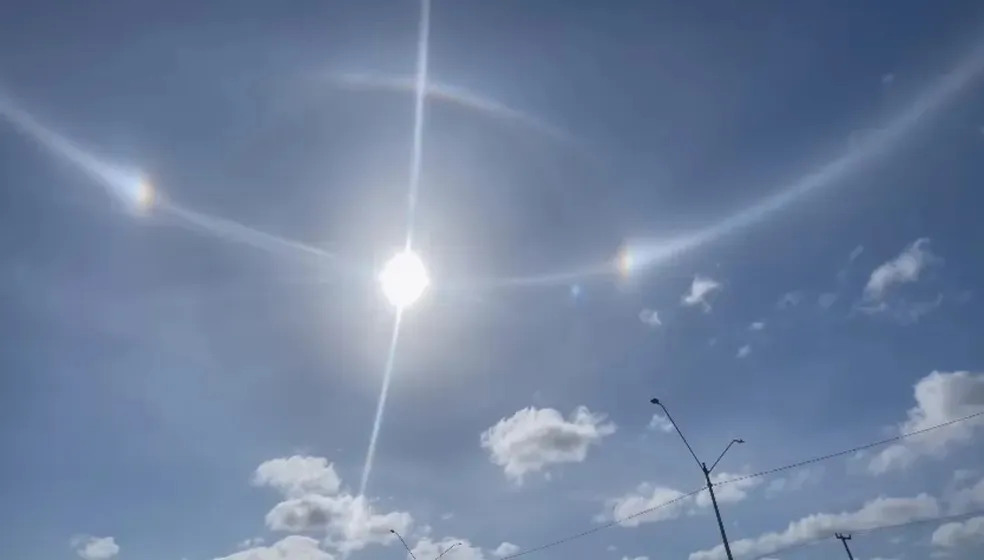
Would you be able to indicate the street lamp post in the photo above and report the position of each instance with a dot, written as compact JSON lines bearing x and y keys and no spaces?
{"x":843,"y":539}
{"x":410,"y":552}
{"x":707,"y":473}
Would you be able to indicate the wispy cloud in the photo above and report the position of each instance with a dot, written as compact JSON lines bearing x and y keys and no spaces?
{"x":633,"y":508}
{"x":701,"y":290}
{"x":903,"y":269}
{"x":757,"y":326}
{"x":743,"y":352}
{"x":827,"y":300}
{"x":790,"y":299}
{"x":660,"y":423}
{"x":650,"y":317}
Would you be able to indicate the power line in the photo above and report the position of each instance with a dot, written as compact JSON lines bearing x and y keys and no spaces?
{"x":851,"y":451}
{"x":869,"y":530}
{"x":759,"y":474}
{"x":602,"y":527}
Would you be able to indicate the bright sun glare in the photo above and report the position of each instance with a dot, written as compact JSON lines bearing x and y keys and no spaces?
{"x":404,"y":279}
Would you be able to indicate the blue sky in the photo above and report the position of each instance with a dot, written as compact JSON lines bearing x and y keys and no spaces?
{"x":795,"y":191}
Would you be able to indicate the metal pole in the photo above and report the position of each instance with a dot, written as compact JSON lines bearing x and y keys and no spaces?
{"x":706,"y":471}
{"x":843,"y":539}
{"x":717,"y":512}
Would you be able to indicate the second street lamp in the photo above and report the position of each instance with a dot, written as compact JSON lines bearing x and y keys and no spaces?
{"x":707,"y":472}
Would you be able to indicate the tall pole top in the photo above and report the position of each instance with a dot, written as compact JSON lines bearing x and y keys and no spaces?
{"x":703,"y":466}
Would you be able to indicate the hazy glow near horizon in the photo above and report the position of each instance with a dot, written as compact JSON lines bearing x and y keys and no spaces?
{"x":404,"y":279}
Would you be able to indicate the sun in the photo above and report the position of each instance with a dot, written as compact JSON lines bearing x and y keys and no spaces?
{"x":404,"y":279}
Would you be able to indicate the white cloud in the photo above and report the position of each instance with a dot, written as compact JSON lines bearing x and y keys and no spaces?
{"x":728,"y":493}
{"x":628,"y":509}
{"x":670,"y":503}
{"x":827,"y":300}
{"x":902,"y":311}
{"x":875,"y":513}
{"x":757,"y":326}
{"x":636,"y":558}
{"x":611,"y":548}
{"x":660,"y":423}
{"x":292,"y":547}
{"x":95,"y":548}
{"x":888,"y":79}
{"x":650,"y":317}
{"x":533,"y":439}
{"x":315,"y":503}
{"x":790,"y":299}
{"x":350,"y":523}
{"x":744,"y":351}
{"x":855,"y":253}
{"x":701,"y":290}
{"x":903,"y":269}
{"x":250,"y":543}
{"x":505,"y":549}
{"x":427,"y":549}
{"x":960,"y":534}
{"x":298,"y":475}
{"x":967,"y":499}
{"x":940,"y":397}
{"x":796,"y":481}
{"x":963,"y":475}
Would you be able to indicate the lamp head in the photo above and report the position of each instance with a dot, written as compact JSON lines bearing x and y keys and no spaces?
{"x":739,"y":441}
{"x":654,"y":400}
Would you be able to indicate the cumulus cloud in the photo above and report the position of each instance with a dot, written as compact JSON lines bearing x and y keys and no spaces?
{"x":701,"y":290}
{"x":650,"y":317}
{"x":903,"y":269}
{"x":350,"y":523}
{"x":293,"y":547}
{"x":298,"y":475}
{"x":533,"y":439}
{"x":940,"y":397}
{"x":315,"y":503}
{"x":95,"y":548}
{"x":660,"y":423}
{"x":967,"y":499}
{"x":875,"y":513}
{"x":462,"y":549}
{"x":958,"y":535}
{"x":505,"y":549}
{"x":744,"y":351}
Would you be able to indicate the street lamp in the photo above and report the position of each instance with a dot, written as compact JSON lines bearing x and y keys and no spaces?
{"x":410,"y":552}
{"x":707,"y":472}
